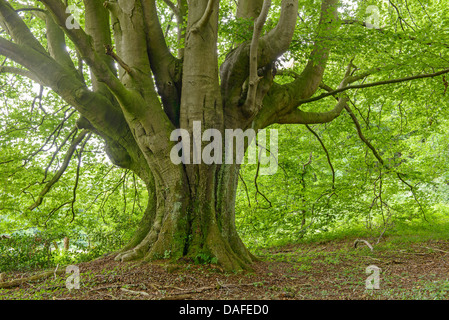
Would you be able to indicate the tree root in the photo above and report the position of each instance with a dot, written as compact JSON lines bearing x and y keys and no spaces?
{"x":130,"y":255}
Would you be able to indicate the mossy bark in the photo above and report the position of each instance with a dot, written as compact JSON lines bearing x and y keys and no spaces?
{"x":194,"y":222}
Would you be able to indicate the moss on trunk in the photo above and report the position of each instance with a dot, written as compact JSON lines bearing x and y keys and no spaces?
{"x":194,"y":222}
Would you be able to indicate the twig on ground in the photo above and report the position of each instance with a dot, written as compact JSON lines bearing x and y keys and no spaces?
{"x":365,"y":242}
{"x":135,"y":292}
{"x":435,"y":249}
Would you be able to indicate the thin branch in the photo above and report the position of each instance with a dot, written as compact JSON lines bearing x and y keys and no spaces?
{"x":173,"y":7}
{"x":64,"y":142}
{"x":246,"y":188}
{"x":327,"y":154}
{"x":30,"y":9}
{"x":110,"y":52}
{"x":374,"y":84}
{"x":54,"y":134}
{"x":75,"y":187}
{"x":362,"y":136}
{"x":257,"y":185}
{"x":412,"y":190}
{"x":61,"y":171}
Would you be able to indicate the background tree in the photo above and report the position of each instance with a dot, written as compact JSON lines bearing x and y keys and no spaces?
{"x":143,"y":81}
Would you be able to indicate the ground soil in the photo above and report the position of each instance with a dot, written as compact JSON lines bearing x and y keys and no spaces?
{"x":327,"y":270}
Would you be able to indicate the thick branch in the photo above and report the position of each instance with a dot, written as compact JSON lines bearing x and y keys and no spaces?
{"x":200,"y":24}
{"x":163,"y":64}
{"x":278,"y":40}
{"x":56,"y":43}
{"x":98,"y":28}
{"x":248,"y":9}
{"x":235,"y":69}
{"x":309,"y":80}
{"x":20,"y":72}
{"x":18,"y":30}
{"x":108,"y":121}
{"x":250,"y":105}
{"x":86,"y":49}
{"x":298,"y":116}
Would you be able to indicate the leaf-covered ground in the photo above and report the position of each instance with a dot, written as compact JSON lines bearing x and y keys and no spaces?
{"x":325,"y":270}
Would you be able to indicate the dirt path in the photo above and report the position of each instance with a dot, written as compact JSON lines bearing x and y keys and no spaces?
{"x":333,"y":270}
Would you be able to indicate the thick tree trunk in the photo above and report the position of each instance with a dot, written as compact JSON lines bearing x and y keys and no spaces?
{"x":194,"y":221}
{"x":191,"y":211}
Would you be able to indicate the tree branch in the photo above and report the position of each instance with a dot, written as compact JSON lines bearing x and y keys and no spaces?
{"x":309,"y":80}
{"x":166,"y":68}
{"x":327,"y":154}
{"x":86,"y":49}
{"x":250,"y":107}
{"x":61,"y":170}
{"x":374,"y":84}
{"x":174,"y":8}
{"x":21,"y":72}
{"x":362,"y":136}
{"x":200,"y":24}
{"x":298,"y":116}
{"x":56,"y":43}
{"x":98,"y":28}
{"x":235,"y":69}
{"x":18,"y":30}
{"x":110,"y":52}
{"x":78,"y":167}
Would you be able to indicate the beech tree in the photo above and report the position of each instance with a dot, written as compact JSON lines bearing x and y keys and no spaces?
{"x":139,"y":89}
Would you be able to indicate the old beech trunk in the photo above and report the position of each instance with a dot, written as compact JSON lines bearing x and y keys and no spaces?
{"x":141,"y":92}
{"x":194,"y":212}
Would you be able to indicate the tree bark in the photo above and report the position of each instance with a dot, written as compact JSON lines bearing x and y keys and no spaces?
{"x":194,"y":216}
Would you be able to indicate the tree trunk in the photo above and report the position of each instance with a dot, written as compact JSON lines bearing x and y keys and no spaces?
{"x":66,"y":244}
{"x":194,"y":221}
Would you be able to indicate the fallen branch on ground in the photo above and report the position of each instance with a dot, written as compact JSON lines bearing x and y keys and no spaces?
{"x":185,"y":294}
{"x":18,"y":282}
{"x":435,"y":249}
{"x":365,"y":242}
{"x":135,"y":292}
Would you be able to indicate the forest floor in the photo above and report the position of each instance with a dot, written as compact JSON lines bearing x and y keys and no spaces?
{"x":322,"y":270}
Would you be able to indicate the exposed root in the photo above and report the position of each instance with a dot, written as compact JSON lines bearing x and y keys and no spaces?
{"x":129,"y":256}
